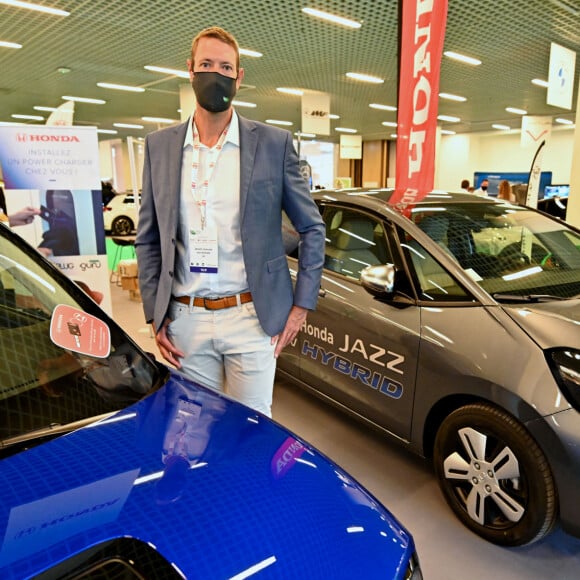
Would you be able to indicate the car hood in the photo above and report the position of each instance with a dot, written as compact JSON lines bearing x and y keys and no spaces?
{"x":550,"y":324}
{"x":212,"y":486}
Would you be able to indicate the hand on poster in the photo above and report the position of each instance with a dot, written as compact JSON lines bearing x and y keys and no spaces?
{"x":23,"y":217}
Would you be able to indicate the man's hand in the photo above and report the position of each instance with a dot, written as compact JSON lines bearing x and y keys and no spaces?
{"x":166,"y":348}
{"x":295,"y":320}
{"x":23,"y":217}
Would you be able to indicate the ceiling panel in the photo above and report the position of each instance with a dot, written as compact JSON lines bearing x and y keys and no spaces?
{"x":112,"y":40}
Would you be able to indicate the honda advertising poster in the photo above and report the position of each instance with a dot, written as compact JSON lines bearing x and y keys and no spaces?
{"x":422,"y":33}
{"x":53,"y":197}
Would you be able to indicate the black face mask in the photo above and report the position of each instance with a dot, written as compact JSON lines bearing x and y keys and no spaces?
{"x":484,"y":187}
{"x":214,"y":92}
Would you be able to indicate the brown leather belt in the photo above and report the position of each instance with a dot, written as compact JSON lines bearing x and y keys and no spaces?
{"x":215,"y":303}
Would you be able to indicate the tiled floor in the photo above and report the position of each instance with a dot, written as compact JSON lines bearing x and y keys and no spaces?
{"x":399,"y":480}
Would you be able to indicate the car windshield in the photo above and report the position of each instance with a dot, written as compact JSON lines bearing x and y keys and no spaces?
{"x":45,"y":388}
{"x":510,"y":250}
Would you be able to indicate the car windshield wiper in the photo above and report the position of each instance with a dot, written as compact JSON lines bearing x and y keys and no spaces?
{"x":527,"y":297}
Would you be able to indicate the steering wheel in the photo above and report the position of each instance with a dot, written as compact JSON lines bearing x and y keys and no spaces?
{"x":511,"y":257}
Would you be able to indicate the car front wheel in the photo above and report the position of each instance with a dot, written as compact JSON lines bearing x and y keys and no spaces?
{"x":122,"y":226}
{"x":494,"y":475}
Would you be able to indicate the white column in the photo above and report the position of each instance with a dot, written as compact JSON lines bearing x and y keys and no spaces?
{"x":573,"y":211}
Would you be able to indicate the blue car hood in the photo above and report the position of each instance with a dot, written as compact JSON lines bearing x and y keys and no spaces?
{"x":550,"y":324}
{"x":212,"y":486}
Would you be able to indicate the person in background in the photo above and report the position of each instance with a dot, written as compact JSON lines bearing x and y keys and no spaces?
{"x":20,"y":218}
{"x":505,"y":191}
{"x":465,"y":185}
{"x":482,"y":189}
{"x":213,"y":274}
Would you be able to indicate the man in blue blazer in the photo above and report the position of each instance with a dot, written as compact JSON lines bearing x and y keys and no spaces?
{"x":212,"y":266}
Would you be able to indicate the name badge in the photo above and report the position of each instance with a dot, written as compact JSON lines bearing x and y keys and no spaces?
{"x":203,"y":251}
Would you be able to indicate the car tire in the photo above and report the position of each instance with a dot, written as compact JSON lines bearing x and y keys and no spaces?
{"x":494,"y":475}
{"x":122,"y":226}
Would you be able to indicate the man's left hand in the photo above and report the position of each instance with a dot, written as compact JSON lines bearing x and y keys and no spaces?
{"x":295,"y":320}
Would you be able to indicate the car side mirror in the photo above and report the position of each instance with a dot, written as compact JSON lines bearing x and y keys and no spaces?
{"x":379,"y":280}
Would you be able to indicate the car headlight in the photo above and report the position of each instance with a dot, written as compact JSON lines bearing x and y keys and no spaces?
{"x":565,"y":365}
{"x":413,"y":571}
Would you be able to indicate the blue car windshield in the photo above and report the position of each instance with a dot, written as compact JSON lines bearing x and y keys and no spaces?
{"x":43,"y":387}
{"x":507,"y":249}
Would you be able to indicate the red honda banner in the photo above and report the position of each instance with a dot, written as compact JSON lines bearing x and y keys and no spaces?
{"x":422,"y":30}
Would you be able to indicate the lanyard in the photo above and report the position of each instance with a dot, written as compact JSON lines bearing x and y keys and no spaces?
{"x":199,"y":190}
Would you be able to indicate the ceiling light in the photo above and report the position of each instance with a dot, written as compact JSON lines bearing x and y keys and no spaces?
{"x":84,"y":100}
{"x":121,"y":87}
{"x":128,"y":126}
{"x":288,"y":91}
{"x":30,"y":117}
{"x":501,"y":127}
{"x":382,"y":107}
{"x":364,"y":78}
{"x":276,"y":122}
{"x":107,"y":131}
{"x":447,"y":132}
{"x":540,"y":83}
{"x":345,"y":130}
{"x":462,"y":57}
{"x":6,"y":44}
{"x":394,"y":135}
{"x":237,"y":103}
{"x":37,"y":7}
{"x":168,"y":71}
{"x":564,"y":121}
{"x":332,"y":18}
{"x":247,"y":52}
{"x":516,"y":111}
{"x":159,"y":120}
{"x":451,"y":97}
{"x":449,"y":118}
{"x":300,"y":134}
{"x":63,"y":70}
{"x":389,"y":124}
{"x":334,"y":116}
{"x":39,"y":108}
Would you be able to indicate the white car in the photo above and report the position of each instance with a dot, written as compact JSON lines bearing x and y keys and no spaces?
{"x":121,"y":214}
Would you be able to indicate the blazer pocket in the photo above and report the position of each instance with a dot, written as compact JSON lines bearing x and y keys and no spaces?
{"x":276,"y":264}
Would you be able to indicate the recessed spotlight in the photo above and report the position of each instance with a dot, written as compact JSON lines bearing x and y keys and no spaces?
{"x":516,"y":111}
{"x":107,"y":131}
{"x":334,"y":117}
{"x":447,"y":132}
{"x":300,"y":134}
{"x":564,"y":121}
{"x":84,"y":100}
{"x":382,"y":107}
{"x":36,"y":7}
{"x":244,"y":104}
{"x":289,"y":91}
{"x":247,"y":52}
{"x":159,"y":120}
{"x":63,"y":70}
{"x":332,"y":18}
{"x":540,"y":83}
{"x":345,"y":130}
{"x":277,"y":122}
{"x":501,"y":127}
{"x":6,"y":44}
{"x":167,"y":71}
{"x":450,"y":97}
{"x":462,"y":57}
{"x":121,"y":87}
{"x":364,"y":78}
{"x":29,"y":117}
{"x":449,"y":118}
{"x":389,"y":124}
{"x":128,"y":126}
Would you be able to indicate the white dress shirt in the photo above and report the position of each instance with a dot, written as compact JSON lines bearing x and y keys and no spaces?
{"x":222,"y":213}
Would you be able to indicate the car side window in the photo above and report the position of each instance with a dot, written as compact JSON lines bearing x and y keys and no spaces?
{"x":354,"y":240}
{"x":435,"y":282}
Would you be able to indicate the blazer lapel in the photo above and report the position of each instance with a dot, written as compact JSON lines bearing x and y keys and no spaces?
{"x":174,"y":173}
{"x":248,"y":144}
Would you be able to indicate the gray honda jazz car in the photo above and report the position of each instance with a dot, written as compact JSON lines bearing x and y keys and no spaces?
{"x":454,"y":327}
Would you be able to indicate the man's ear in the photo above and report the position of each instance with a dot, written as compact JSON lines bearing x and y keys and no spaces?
{"x":240,"y":78}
